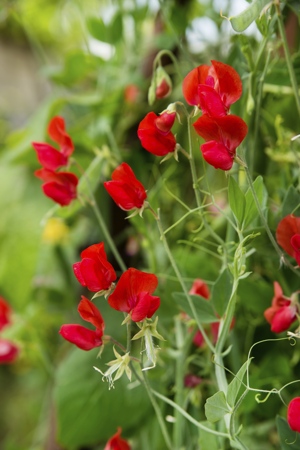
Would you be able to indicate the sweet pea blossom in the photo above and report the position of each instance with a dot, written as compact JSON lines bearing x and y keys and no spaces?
{"x":222,"y":135}
{"x":155,"y":133}
{"x":212,"y":88}
{"x":125,"y":189}
{"x":94,"y":271}
{"x":288,"y":236}
{"x":133,"y":294}
{"x":5,"y":312}
{"x":116,"y":442}
{"x":293,"y":414}
{"x":283,"y":311}
{"x":61,"y":187}
{"x":8,"y":351}
{"x":82,"y":337}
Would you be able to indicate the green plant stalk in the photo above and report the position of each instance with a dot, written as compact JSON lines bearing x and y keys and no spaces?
{"x":287,"y":55}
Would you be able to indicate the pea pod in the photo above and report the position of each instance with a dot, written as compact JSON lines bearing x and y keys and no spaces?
{"x":241,"y":21}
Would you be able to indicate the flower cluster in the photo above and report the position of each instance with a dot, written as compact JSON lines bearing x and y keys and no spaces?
{"x":8,"y":350}
{"x":60,"y":186}
{"x":283,"y":311}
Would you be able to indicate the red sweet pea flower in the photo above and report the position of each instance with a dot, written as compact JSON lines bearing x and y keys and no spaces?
{"x":224,"y":135}
{"x":192,"y":381}
{"x":61,"y":187}
{"x":155,"y":135}
{"x":200,"y":288}
{"x":5,"y":311}
{"x":82,"y":337}
{"x":283,"y":311}
{"x":212,"y":88}
{"x":293,"y":414}
{"x":8,"y":352}
{"x":133,"y":294}
{"x":48,"y":156}
{"x":94,"y":271}
{"x":116,"y":443}
{"x":288,"y":236}
{"x":125,"y":189}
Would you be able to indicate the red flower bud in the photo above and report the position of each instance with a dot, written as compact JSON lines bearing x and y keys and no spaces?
{"x":293,"y":414}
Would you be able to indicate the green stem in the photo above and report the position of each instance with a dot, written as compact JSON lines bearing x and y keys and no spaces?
{"x":288,"y":56}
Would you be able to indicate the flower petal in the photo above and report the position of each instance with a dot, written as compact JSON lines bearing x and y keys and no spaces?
{"x":217,"y":155}
{"x":48,"y":156}
{"x":190,"y":84}
{"x":228,"y":83}
{"x":82,"y":337}
{"x":89,"y":312}
{"x":286,"y":228}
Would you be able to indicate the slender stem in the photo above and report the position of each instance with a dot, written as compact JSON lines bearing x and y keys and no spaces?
{"x":287,"y":55}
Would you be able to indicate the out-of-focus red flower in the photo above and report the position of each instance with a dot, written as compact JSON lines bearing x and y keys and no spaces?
{"x":82,"y":337}
{"x":94,"y":271}
{"x":132,"y":93}
{"x":5,"y":312}
{"x":223,"y":136}
{"x":61,"y":187}
{"x":288,"y":236}
{"x":116,"y":442}
{"x":283,"y":311}
{"x":125,"y":189}
{"x":48,"y":156}
{"x":199,"y":287}
{"x":8,"y":351}
{"x":155,"y":135}
{"x":191,"y":381}
{"x":133,"y":294}
{"x":293,"y":414}
{"x":212,"y":88}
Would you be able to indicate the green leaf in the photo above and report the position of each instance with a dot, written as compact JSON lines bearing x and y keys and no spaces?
{"x":88,"y":413}
{"x":291,"y":201}
{"x":251,"y":212}
{"x":110,"y":33}
{"x":207,"y":441}
{"x":234,"y":386}
{"x":242,"y":21}
{"x":216,"y":407}
{"x":236,"y":200}
{"x":221,"y":292}
{"x":289,"y":439}
{"x":204,"y":309}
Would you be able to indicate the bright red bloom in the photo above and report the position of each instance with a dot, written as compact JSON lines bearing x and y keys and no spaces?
{"x":48,"y":156}
{"x":133,"y":294}
{"x":212,"y":88}
{"x":94,"y":271}
{"x":61,"y":187}
{"x":288,"y":236}
{"x":200,"y":288}
{"x":155,"y":135}
{"x":125,"y":189}
{"x":82,"y":337}
{"x":282,"y":313}
{"x":116,"y":442}
{"x":293,"y":414}
{"x":5,"y":312}
{"x":223,"y":136}
{"x":8,"y":352}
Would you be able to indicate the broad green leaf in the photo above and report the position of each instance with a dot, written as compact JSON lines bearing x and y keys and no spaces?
{"x":236,"y":200}
{"x":289,"y":439}
{"x":204,"y":309}
{"x":234,"y":386}
{"x":88,"y":413}
{"x":98,"y":29}
{"x":221,"y":292}
{"x":242,"y":21}
{"x":291,"y":201}
{"x":208,"y":441}
{"x":251,"y":212}
{"x":216,"y":407}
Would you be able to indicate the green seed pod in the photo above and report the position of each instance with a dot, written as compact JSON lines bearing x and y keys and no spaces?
{"x":243,"y":20}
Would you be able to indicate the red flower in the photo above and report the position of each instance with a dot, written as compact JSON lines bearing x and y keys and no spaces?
{"x":8,"y":352}
{"x":125,"y":189}
{"x":132,"y":93}
{"x":61,"y":187}
{"x":288,"y":236}
{"x":191,"y":381}
{"x":224,"y":135}
{"x":116,"y":443}
{"x":163,"y":89}
{"x":293,"y":414}
{"x":94,"y":271}
{"x":5,"y":311}
{"x":48,"y":156}
{"x":212,"y":88}
{"x":82,"y":337}
{"x":283,"y":311}
{"x":200,"y":288}
{"x":133,"y":294}
{"x":155,"y":135}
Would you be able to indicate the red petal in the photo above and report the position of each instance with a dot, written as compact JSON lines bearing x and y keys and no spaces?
{"x":89,"y":312}
{"x":286,"y":229}
{"x":57,"y":132}
{"x":165,"y":121}
{"x":200,"y":288}
{"x":94,"y":251}
{"x":190,"y":84}
{"x":5,"y":312}
{"x":8,"y":352}
{"x":94,"y":274}
{"x":145,"y":307}
{"x":293,"y":414}
{"x":283,"y":318}
{"x":116,"y":443}
{"x":152,"y":139}
{"x":82,"y":337}
{"x":48,"y":156}
{"x":228,"y":83}
{"x":210,"y":101}
{"x":217,"y":155}
{"x":63,"y":189}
